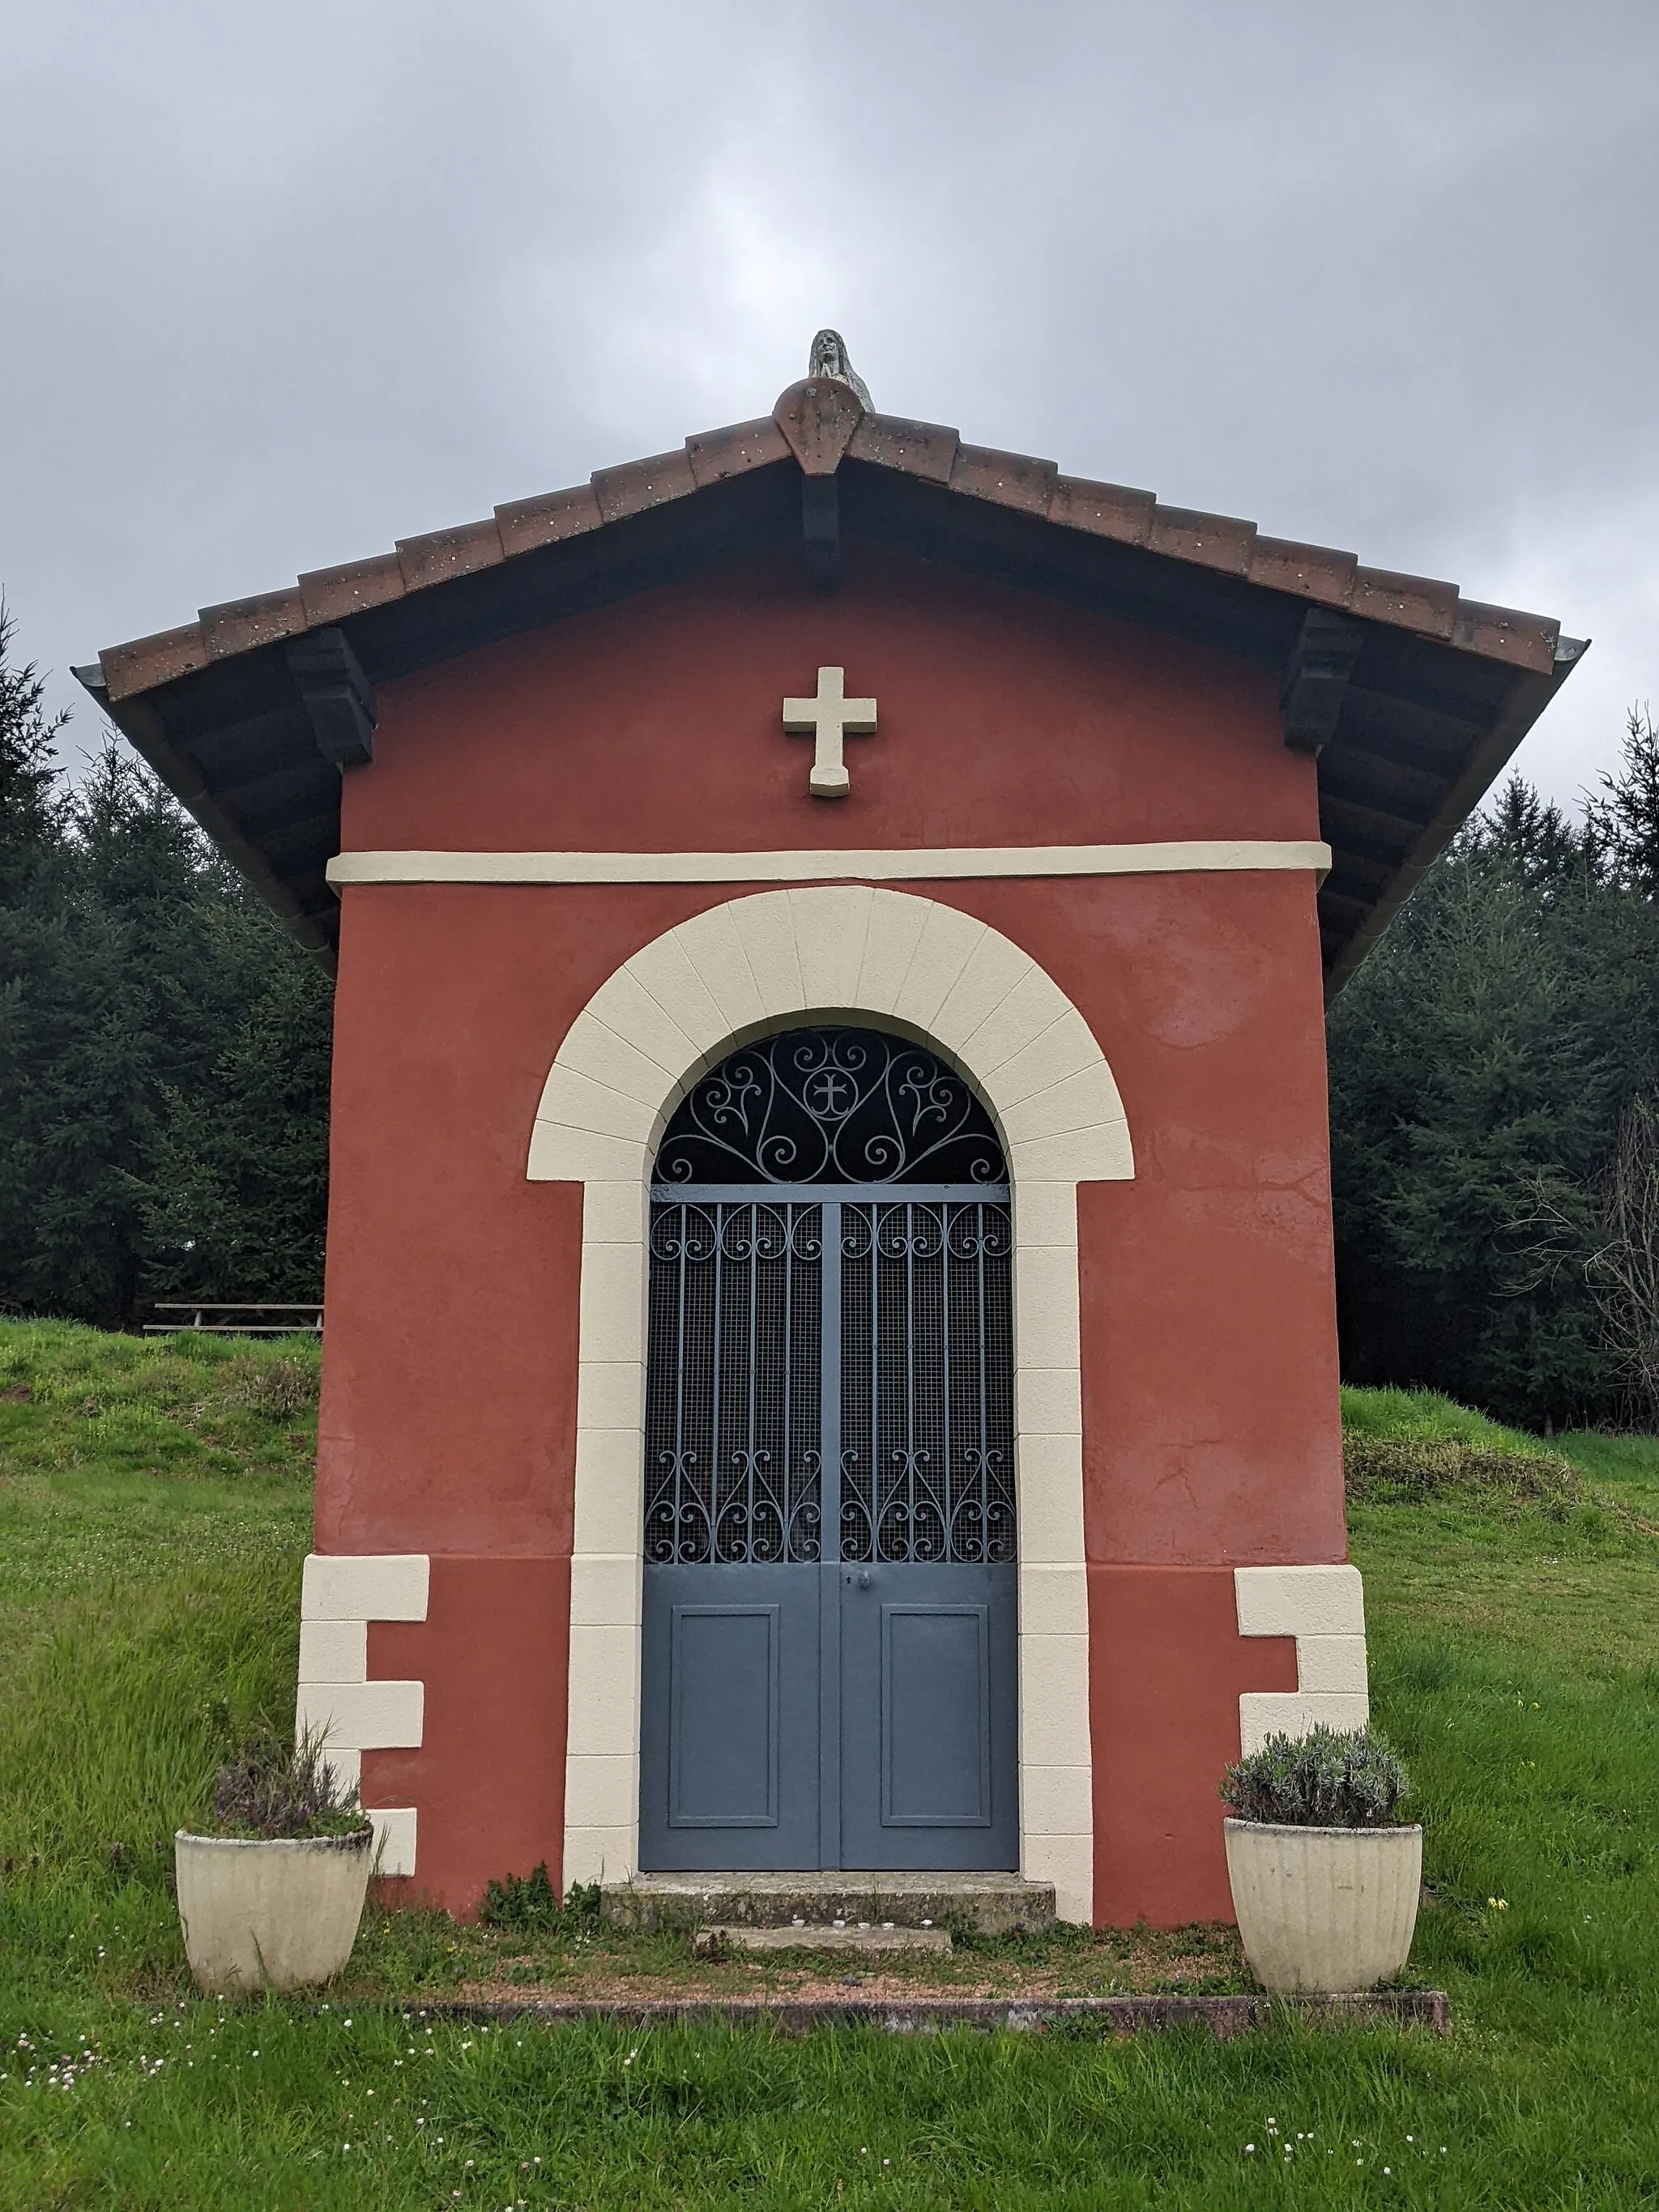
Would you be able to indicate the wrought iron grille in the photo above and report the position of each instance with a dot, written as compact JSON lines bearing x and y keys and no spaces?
{"x":732,"y":1398}
{"x":831,"y":1358}
{"x":926,"y":1382}
{"x":831,"y":1106}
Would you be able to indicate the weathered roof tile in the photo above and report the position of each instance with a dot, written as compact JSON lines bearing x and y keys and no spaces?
{"x":524,"y":524}
{"x":331,"y":595}
{"x":916,"y":449}
{"x":638,"y":485}
{"x":1310,"y":572}
{"x":732,"y":452}
{"x":1419,"y":603}
{"x":438,"y":554}
{"x":1385,"y":814}
{"x":1213,"y":541}
{"x":1103,"y":510}
{"x":817,"y":417}
{"x":239,"y":625}
{"x":819,"y":420}
{"x":144,"y":662}
{"x":1009,"y":479}
{"x":1505,"y":634}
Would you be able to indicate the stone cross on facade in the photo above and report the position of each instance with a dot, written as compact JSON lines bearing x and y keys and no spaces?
{"x":828,"y":719}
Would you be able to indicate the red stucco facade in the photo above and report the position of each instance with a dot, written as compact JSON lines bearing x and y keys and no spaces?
{"x":1211,"y":1419}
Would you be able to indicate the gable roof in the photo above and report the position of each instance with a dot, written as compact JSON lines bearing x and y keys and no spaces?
{"x":1412,"y":697}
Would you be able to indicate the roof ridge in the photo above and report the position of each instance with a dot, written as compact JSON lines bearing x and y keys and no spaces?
{"x":819,"y":422}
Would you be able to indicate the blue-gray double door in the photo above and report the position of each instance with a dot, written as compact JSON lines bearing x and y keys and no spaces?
{"x":830,"y":1607}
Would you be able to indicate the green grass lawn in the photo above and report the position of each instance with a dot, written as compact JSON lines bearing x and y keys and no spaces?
{"x":153,"y":1511}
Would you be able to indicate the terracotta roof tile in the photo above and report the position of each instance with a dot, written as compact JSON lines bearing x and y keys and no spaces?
{"x":1103,"y":510}
{"x":1213,"y":541}
{"x":819,"y":420}
{"x":524,"y":524}
{"x":331,"y":595}
{"x":637,"y":485}
{"x":819,"y":416}
{"x":1385,"y":813}
{"x":145,"y":661}
{"x":916,"y":449}
{"x":732,"y":452}
{"x":1419,"y":603}
{"x":439,"y":554}
{"x":1009,"y":479}
{"x":1503,"y":633}
{"x":239,"y":625}
{"x":1310,"y":572}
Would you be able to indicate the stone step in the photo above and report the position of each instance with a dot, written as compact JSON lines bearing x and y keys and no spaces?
{"x":860,"y":1935}
{"x":991,"y":1904}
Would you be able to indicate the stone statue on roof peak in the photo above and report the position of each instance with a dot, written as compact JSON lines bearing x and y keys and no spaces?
{"x":829,"y":359}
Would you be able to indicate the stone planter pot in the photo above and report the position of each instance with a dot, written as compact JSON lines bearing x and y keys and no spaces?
{"x":1324,"y":1909}
{"x":272,"y":1914}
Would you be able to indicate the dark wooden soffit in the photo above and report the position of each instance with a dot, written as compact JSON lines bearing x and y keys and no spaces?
{"x":1412,"y":697}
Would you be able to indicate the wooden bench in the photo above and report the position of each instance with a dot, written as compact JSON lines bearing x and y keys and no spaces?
{"x":216,"y":1318}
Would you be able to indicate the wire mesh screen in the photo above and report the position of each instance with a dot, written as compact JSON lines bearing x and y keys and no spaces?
{"x":733,"y":1399}
{"x":926,"y":1382}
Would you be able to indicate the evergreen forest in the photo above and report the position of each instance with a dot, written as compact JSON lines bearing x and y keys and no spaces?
{"x":1494,"y":1069}
{"x":164,"y":1048}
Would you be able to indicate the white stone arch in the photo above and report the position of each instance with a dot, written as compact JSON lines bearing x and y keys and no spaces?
{"x":675,"y":1009}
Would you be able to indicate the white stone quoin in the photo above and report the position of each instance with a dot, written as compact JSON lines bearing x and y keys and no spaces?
{"x":340,"y":1595}
{"x":1323,"y":1607}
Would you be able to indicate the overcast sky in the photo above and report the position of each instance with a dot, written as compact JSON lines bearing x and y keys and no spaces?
{"x":282,"y":287}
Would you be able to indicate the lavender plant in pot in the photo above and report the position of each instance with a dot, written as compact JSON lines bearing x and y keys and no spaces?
{"x":1325,"y":1871}
{"x":273,"y":1897}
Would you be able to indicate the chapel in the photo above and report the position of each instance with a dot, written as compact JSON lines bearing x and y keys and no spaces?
{"x":830,"y":1357}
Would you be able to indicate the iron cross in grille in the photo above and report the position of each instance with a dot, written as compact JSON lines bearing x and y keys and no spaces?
{"x":830,"y":1362}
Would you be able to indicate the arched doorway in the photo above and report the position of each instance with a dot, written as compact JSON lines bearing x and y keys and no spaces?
{"x":830,"y":1655}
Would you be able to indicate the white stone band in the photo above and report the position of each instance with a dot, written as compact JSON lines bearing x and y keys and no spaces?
{"x":886,"y":864}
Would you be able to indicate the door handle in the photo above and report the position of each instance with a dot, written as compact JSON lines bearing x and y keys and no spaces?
{"x":862,"y":1578}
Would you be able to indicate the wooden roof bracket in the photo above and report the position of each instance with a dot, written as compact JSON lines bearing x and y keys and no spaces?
{"x":1316,"y":677}
{"x":818,"y":417}
{"x":339,"y":698}
{"x":820,"y":529}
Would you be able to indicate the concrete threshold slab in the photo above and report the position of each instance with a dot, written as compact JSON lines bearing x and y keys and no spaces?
{"x":1223,"y":2016}
{"x":991,"y":1904}
{"x":711,"y":1942}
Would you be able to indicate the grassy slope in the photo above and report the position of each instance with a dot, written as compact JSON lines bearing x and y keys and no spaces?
{"x":152,"y":1510}
{"x":154,"y":1506}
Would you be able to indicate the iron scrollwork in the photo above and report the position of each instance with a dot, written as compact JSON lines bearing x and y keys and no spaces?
{"x":911,"y":1394}
{"x":732,"y":1457}
{"x":926,"y":1465}
{"x":831,"y":1106}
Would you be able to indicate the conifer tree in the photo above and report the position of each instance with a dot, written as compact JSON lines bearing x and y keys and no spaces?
{"x":1485,"y":1051}
{"x":1627,"y":812}
{"x":27,"y":770}
{"x":164,"y":1050}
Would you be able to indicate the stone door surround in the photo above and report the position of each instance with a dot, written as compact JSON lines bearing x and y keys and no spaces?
{"x":767,"y":960}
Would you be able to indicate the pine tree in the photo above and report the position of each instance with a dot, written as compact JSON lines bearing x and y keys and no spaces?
{"x":238,"y":1194}
{"x":31,"y":885}
{"x":28,"y":826}
{"x":1488,"y":1046}
{"x":1627,"y":815}
{"x":164,"y":1050}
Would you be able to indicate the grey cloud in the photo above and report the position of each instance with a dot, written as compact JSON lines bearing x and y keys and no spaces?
{"x":282,"y":288}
